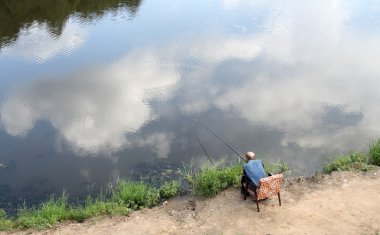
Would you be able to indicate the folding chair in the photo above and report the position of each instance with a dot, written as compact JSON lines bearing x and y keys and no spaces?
{"x":268,"y":186}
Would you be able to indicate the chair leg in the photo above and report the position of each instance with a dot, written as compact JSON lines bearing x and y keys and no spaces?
{"x":256,"y":200}
{"x":279,"y":198}
{"x":246,"y":190}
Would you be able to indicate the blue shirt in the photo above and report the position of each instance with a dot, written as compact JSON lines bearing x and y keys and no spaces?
{"x":255,"y":170}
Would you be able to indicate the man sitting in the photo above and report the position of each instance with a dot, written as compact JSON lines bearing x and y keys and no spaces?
{"x":253,"y":169}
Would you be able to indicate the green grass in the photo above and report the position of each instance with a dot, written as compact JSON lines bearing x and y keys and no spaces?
{"x":170,"y":189}
{"x":98,"y":206}
{"x":276,"y":168}
{"x":135,"y":195}
{"x":58,"y":209}
{"x":188,"y":172}
{"x":51,"y":212}
{"x":374,"y":152}
{"x":355,"y":161}
{"x":5,"y":223}
{"x":125,"y":197}
{"x":210,"y":181}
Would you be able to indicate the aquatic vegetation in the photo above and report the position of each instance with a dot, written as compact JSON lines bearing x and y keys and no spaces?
{"x":170,"y":189}
{"x":355,"y":161}
{"x":374,"y":152}
{"x":156,"y":172}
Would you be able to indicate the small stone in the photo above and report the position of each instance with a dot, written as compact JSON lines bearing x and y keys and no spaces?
{"x":165,"y":203}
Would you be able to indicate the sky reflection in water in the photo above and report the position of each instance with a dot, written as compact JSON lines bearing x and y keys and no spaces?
{"x":296,"y":81}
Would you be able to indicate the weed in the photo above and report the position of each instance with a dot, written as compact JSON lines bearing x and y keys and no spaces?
{"x":232,"y":175}
{"x":135,"y":195}
{"x":51,"y":212}
{"x":57,"y":209}
{"x":95,"y":207}
{"x":276,"y":168}
{"x":170,"y":189}
{"x":207,"y":182}
{"x":5,"y":223}
{"x":354,"y":161}
{"x":210,"y":181}
{"x":374,"y":152}
{"x":188,"y":172}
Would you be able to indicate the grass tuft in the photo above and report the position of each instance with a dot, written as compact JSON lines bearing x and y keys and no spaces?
{"x":374,"y":152}
{"x":126,"y":197}
{"x":95,"y":207}
{"x":51,"y":212}
{"x":135,"y":195}
{"x":5,"y":223}
{"x":210,"y":181}
{"x":170,"y":189}
{"x":355,"y":161}
{"x":276,"y":168}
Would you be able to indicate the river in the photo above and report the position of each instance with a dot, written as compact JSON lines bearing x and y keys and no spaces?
{"x":91,"y":91}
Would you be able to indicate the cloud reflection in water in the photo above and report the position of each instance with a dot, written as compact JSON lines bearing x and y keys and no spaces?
{"x":35,"y":43}
{"x":304,"y":61}
{"x":95,"y":108}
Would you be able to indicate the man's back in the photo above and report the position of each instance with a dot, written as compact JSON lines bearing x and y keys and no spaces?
{"x":255,"y":170}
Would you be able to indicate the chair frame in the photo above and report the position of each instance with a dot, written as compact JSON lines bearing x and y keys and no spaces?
{"x":254,"y":191}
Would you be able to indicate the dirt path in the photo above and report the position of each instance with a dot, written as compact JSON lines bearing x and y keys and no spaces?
{"x":342,"y":203}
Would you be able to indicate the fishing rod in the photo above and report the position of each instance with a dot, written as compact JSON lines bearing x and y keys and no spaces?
{"x":204,"y":150}
{"x":229,"y":146}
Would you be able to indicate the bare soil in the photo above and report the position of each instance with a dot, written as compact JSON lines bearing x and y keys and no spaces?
{"x":340,"y":203}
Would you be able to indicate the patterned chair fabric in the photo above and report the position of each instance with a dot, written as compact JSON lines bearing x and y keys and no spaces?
{"x":270,"y":186}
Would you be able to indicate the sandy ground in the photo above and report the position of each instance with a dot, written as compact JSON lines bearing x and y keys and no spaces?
{"x":341,"y":203}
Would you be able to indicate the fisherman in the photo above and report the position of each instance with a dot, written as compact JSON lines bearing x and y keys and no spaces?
{"x":253,"y":169}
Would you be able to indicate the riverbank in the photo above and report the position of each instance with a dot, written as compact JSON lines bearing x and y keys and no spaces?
{"x":128,"y":196}
{"x":344,"y":202}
